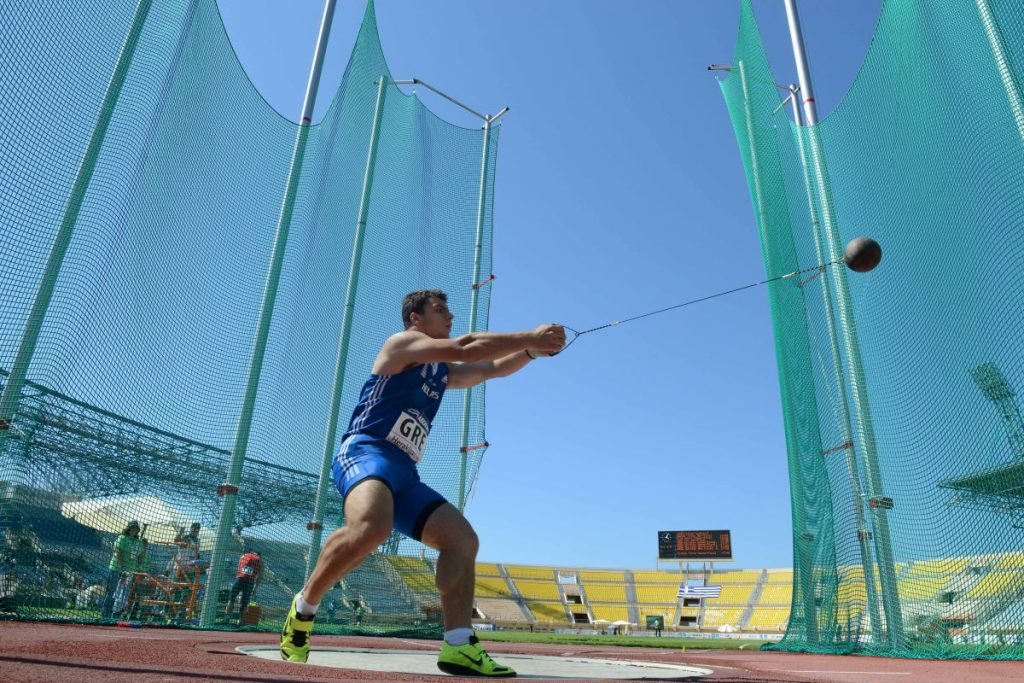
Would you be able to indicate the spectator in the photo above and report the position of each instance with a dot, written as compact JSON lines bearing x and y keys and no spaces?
{"x":357,"y":609}
{"x":185,"y":568}
{"x":8,"y":585}
{"x":188,"y":550}
{"x":126,"y":560}
{"x":250,"y":571}
{"x":332,"y":607}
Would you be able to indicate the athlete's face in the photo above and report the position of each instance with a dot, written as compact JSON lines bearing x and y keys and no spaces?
{"x":436,"y":319}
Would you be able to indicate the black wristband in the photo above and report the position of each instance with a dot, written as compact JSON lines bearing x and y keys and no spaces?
{"x":529,"y":355}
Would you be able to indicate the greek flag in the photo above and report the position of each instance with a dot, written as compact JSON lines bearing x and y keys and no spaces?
{"x":699,"y":591}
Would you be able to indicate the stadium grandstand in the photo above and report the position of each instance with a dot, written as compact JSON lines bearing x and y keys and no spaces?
{"x":751,"y":600}
{"x":50,"y":561}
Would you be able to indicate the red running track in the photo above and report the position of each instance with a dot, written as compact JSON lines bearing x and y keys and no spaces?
{"x":63,"y":653}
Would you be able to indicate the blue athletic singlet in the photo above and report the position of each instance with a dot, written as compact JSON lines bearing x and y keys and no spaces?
{"x":386,"y":437}
{"x":400,"y":408}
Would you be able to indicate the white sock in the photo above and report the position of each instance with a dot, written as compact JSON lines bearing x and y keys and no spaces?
{"x":306,"y":609}
{"x":458,"y":636}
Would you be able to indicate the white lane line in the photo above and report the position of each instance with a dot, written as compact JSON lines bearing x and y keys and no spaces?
{"x":413,"y":642}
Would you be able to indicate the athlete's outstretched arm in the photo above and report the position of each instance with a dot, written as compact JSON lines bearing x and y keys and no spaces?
{"x":465,"y":375}
{"x":411,"y":347}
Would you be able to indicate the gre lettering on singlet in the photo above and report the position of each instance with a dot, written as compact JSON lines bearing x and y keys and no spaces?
{"x":409,"y":433}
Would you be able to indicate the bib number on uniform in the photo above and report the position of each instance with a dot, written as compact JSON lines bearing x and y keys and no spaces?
{"x":410,"y":434}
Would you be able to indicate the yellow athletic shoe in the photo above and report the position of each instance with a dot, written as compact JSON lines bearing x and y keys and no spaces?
{"x":471,"y":660}
{"x":295,"y":635}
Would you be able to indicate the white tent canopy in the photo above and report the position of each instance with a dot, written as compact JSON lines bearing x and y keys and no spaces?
{"x":160,"y":520}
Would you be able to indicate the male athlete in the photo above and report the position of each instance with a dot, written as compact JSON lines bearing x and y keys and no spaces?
{"x":375,"y":470}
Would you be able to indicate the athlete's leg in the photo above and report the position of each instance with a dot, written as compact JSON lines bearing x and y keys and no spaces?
{"x":450,"y":533}
{"x":231,"y":599}
{"x":369,"y":511}
{"x":246,"y":596}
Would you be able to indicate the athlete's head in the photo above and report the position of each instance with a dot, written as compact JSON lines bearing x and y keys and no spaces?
{"x":427,"y":311}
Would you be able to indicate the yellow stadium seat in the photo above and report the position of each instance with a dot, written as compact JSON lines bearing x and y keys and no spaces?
{"x":945,"y":567}
{"x":611,"y":612}
{"x":776,"y":594}
{"x":740,"y":576}
{"x":768,"y":618}
{"x":527,"y":572}
{"x":548,"y":611}
{"x":602,"y":576}
{"x":1012,"y":561}
{"x":488,"y":587}
{"x":487,"y":569}
{"x":658,"y":577}
{"x":997,"y":583}
{"x":722,"y":616}
{"x":605,"y":593}
{"x":922,"y":587}
{"x":538,"y":590}
{"x":654,"y":593}
{"x":732,"y":595}
{"x":408,"y":564}
{"x":420,"y":582}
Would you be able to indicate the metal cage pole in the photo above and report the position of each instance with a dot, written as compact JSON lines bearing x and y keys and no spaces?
{"x":324,"y":487}
{"x":762,"y":221}
{"x":489,"y":122}
{"x":474,"y":299}
{"x":11,"y":396}
{"x":877,"y":500}
{"x":229,"y":489}
{"x":863,"y":530}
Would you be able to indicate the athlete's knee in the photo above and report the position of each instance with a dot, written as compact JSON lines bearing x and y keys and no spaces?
{"x":370,"y":533}
{"x":465,"y":543}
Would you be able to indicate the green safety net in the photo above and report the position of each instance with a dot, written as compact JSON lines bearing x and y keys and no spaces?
{"x":136,"y":120}
{"x":899,"y":386}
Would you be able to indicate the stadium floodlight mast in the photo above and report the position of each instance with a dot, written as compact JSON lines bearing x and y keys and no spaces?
{"x":1003,"y":64}
{"x":325,"y":485}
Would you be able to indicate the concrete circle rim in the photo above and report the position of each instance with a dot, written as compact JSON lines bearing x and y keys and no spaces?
{"x":615,"y":667}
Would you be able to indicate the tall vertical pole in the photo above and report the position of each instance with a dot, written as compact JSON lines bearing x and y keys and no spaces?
{"x":762,"y":222}
{"x":474,"y":298}
{"x":323,"y":489}
{"x":877,"y":501}
{"x":863,"y":530}
{"x":1003,"y":64}
{"x":11,"y":396}
{"x":803,"y":71}
{"x":229,"y":489}
{"x":805,"y":539}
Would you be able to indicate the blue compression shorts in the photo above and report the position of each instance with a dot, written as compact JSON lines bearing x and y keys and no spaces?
{"x":362,"y":457}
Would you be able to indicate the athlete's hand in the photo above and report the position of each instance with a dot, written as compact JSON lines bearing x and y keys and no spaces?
{"x":550,"y":339}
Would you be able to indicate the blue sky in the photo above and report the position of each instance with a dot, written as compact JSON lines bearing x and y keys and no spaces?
{"x":619,"y":190}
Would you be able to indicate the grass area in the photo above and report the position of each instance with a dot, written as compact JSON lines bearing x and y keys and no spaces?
{"x":624,"y":641}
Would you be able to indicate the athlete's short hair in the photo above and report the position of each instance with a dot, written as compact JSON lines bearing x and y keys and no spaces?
{"x":415,"y":302}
